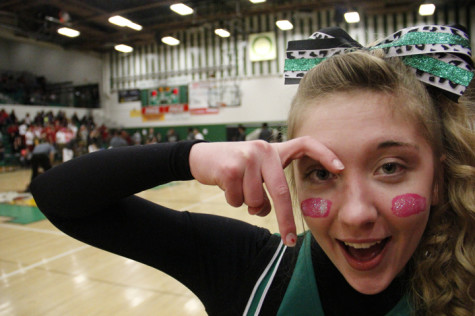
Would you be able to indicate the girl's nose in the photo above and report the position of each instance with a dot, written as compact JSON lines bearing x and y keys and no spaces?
{"x":356,"y":209}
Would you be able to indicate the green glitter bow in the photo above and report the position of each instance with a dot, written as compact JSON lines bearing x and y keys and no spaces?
{"x":439,"y":55}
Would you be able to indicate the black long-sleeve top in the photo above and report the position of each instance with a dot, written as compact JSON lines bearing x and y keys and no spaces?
{"x":91,"y":198}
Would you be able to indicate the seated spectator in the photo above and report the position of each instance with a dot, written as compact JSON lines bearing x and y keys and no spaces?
{"x":197,"y":134}
{"x":137,"y":138}
{"x":30,"y":138}
{"x":263,"y":133}
{"x":93,"y":147}
{"x":117,"y":140}
{"x":241,"y":136}
{"x":2,"y":147}
{"x":172,"y":136}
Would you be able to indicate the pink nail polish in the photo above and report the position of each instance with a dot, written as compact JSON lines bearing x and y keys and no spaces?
{"x":290,"y":240}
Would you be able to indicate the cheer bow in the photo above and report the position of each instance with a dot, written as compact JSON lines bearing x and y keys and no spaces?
{"x":439,"y":55}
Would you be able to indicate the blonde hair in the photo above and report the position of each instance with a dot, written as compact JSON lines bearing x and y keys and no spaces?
{"x":443,"y":265}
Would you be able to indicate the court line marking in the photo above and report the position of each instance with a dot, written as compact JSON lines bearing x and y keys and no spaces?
{"x":31,"y":229}
{"x":42,"y":262}
{"x":122,"y":285}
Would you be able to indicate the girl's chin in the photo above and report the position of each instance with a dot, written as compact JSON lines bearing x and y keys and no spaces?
{"x":368,"y":287}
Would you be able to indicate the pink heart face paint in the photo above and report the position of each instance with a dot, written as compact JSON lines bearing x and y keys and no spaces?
{"x":408,"y":204}
{"x":316,"y":207}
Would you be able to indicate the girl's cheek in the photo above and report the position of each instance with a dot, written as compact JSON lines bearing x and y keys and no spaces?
{"x":408,"y":204}
{"x":316,"y":207}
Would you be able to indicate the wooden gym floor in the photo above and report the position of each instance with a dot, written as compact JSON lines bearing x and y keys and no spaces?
{"x":44,"y":272}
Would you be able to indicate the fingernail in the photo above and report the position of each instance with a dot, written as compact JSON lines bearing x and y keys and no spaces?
{"x":290,"y":240}
{"x":338,"y":164}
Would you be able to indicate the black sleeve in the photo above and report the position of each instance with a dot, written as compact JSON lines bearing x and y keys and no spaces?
{"x":91,"y":199}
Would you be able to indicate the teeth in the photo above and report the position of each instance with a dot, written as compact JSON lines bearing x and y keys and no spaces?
{"x":363,"y":245}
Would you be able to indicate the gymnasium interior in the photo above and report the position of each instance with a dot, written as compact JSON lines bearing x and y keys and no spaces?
{"x":141,"y":72}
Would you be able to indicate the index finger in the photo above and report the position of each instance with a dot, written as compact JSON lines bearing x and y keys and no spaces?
{"x":307,"y":146}
{"x":276,"y":183}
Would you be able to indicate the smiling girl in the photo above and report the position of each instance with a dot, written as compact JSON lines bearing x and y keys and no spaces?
{"x":381,"y":169}
{"x":404,"y":202}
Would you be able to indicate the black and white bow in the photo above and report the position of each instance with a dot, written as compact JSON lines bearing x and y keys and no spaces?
{"x":439,"y":55}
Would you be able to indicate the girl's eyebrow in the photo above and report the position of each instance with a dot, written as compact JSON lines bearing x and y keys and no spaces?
{"x":394,"y":143}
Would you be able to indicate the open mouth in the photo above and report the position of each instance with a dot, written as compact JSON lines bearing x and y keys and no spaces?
{"x":363,"y":256}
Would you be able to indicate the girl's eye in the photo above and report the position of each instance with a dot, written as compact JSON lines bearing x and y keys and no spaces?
{"x":389,"y":168}
{"x":320,"y":174}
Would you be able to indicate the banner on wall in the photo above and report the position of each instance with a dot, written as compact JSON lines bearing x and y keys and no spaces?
{"x":129,"y":95}
{"x":158,"y":113}
{"x":163,"y":102}
{"x":262,"y":46}
{"x":209,"y":97}
{"x":135,"y":113}
{"x":165,"y":95}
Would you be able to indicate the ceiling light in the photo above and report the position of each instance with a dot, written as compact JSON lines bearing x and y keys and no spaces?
{"x":181,"y":9}
{"x":118,"y":20}
{"x":257,"y":1}
{"x":426,"y":9}
{"x":123,"y":48}
{"x":170,"y":40}
{"x":284,"y":25}
{"x":66,"y":31}
{"x":135,"y":26}
{"x":121,"y":21}
{"x":222,"y":32}
{"x":352,"y":17}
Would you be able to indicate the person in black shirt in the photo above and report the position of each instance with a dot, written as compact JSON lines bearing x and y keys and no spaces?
{"x":42,"y":156}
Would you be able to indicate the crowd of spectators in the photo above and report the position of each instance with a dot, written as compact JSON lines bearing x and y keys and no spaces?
{"x":70,"y":136}
{"x":74,"y":136}
{"x":19,"y":137}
